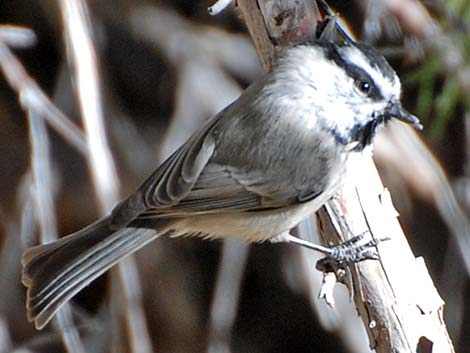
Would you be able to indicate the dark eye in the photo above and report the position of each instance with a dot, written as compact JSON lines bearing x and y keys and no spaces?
{"x":363,"y":86}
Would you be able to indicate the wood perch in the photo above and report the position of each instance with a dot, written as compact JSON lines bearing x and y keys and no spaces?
{"x":395,"y":297}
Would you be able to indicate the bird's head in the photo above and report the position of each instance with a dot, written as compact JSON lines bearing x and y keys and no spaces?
{"x":349,"y":88}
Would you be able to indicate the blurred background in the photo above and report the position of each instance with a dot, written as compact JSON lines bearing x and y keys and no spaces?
{"x":164,"y":67}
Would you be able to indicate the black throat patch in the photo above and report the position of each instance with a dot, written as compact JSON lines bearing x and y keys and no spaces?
{"x":364,"y":134}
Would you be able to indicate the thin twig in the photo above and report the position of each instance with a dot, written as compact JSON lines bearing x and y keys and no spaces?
{"x":38,"y":104}
{"x":226,"y":295}
{"x":33,"y":98}
{"x":17,"y":37}
{"x":43,"y":196}
{"x":218,"y":7}
{"x":85,"y":64}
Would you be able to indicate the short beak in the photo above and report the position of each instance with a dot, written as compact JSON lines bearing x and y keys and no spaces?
{"x":395,"y":110}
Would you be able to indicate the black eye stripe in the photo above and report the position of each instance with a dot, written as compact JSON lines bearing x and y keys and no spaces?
{"x":378,"y":61}
{"x":358,"y":74}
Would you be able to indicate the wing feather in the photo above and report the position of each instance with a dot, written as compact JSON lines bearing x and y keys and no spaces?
{"x":214,"y":191}
{"x":211,"y":172}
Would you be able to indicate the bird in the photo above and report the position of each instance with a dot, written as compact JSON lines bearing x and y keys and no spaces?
{"x":267,"y":161}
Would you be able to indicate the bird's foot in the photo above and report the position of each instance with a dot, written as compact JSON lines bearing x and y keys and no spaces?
{"x":352,"y":251}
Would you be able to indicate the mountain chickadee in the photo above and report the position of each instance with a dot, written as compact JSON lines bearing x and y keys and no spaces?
{"x":253,"y":172}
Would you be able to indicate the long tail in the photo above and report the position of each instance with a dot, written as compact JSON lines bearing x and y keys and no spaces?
{"x":55,"y":272}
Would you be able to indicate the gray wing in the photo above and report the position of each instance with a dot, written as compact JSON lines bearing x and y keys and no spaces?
{"x":215,"y":190}
{"x":188,"y":182}
{"x":235,"y":163}
{"x":191,"y":182}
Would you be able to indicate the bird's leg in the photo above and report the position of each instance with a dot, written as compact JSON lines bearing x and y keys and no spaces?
{"x":348,"y":251}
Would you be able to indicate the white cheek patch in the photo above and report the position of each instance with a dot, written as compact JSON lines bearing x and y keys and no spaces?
{"x":342,"y":107}
{"x":387,"y":87}
{"x":321,"y":76}
{"x":333,"y":101}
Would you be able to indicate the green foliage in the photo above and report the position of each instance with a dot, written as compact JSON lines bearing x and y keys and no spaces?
{"x":461,"y":7}
{"x":439,"y":89}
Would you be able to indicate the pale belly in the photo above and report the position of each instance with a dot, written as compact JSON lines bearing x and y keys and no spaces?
{"x":249,"y":226}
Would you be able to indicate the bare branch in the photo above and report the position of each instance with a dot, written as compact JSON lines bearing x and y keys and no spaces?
{"x":218,"y":7}
{"x":44,"y":208}
{"x":84,"y":61}
{"x":38,"y":105}
{"x":226,"y":295}
{"x":399,"y":148}
{"x":258,"y":32}
{"x":394,"y":297}
{"x":34,"y":99}
{"x":17,"y":37}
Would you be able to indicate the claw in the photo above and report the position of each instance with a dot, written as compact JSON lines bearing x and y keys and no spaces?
{"x":351,"y":251}
{"x":348,"y":251}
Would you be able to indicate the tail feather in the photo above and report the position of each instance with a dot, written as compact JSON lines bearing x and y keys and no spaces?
{"x":36,"y":258}
{"x":55,"y":272}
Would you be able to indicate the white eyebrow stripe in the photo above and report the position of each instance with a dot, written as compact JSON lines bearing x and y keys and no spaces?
{"x":386,"y":87}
